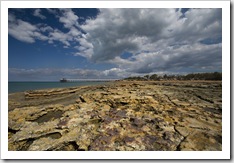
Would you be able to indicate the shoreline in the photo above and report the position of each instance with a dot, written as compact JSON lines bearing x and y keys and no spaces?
{"x":21,"y":95}
{"x":124,"y":81}
{"x":17,"y":87}
{"x":119,"y":115}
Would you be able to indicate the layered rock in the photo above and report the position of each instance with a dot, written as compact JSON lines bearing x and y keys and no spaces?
{"x":125,"y":116}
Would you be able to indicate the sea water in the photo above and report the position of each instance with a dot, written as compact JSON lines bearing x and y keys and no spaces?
{"x":25,"y":86}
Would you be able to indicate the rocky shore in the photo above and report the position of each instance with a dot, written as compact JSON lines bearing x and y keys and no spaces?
{"x":118,"y":116}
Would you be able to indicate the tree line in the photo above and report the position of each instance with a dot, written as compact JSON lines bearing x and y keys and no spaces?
{"x":192,"y":76}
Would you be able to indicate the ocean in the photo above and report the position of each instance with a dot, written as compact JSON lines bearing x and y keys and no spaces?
{"x":14,"y":87}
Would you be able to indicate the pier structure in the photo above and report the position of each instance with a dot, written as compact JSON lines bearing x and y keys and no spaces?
{"x":86,"y":80}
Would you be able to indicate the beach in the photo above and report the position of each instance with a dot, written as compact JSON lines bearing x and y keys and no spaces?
{"x":118,"y":116}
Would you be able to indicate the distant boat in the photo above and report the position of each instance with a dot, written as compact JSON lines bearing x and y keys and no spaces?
{"x":63,"y":80}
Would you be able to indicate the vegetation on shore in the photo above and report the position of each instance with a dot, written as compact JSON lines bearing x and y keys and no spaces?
{"x":193,"y":76}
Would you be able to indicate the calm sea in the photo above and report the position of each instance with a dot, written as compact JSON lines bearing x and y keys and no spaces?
{"x":24,"y":86}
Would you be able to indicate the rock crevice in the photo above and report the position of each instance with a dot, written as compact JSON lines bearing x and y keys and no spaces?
{"x":118,"y":116}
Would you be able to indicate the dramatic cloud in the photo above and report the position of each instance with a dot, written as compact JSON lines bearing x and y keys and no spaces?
{"x":135,"y":41}
{"x":115,"y":31}
{"x":158,"y":39}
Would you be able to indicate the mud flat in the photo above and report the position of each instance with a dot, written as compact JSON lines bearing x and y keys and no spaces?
{"x":118,"y":116}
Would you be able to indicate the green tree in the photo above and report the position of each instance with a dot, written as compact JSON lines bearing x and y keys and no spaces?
{"x":154,"y":77}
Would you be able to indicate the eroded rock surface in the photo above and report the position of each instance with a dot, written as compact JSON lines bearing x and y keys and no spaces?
{"x":125,"y":116}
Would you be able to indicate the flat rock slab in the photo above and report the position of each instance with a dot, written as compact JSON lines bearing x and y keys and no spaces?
{"x":118,"y":116}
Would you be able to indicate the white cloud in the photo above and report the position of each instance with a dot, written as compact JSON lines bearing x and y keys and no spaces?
{"x":46,"y":29}
{"x":24,"y":31}
{"x":27,"y":32}
{"x":198,"y":24}
{"x":85,"y":48}
{"x":74,"y":32}
{"x":52,"y":74}
{"x":159,"y":39}
{"x":117,"y":30}
{"x":184,"y":57}
{"x":40,"y":36}
{"x":52,"y":11}
{"x":116,"y":73}
{"x":57,"y":35}
{"x":69,"y":19}
{"x":37,"y":13}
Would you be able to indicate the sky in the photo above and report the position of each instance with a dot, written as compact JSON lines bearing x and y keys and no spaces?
{"x":87,"y":43}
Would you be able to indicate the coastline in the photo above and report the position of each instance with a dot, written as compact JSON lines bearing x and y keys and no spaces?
{"x":21,"y":86}
{"x":119,"y":115}
{"x":48,"y":92}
